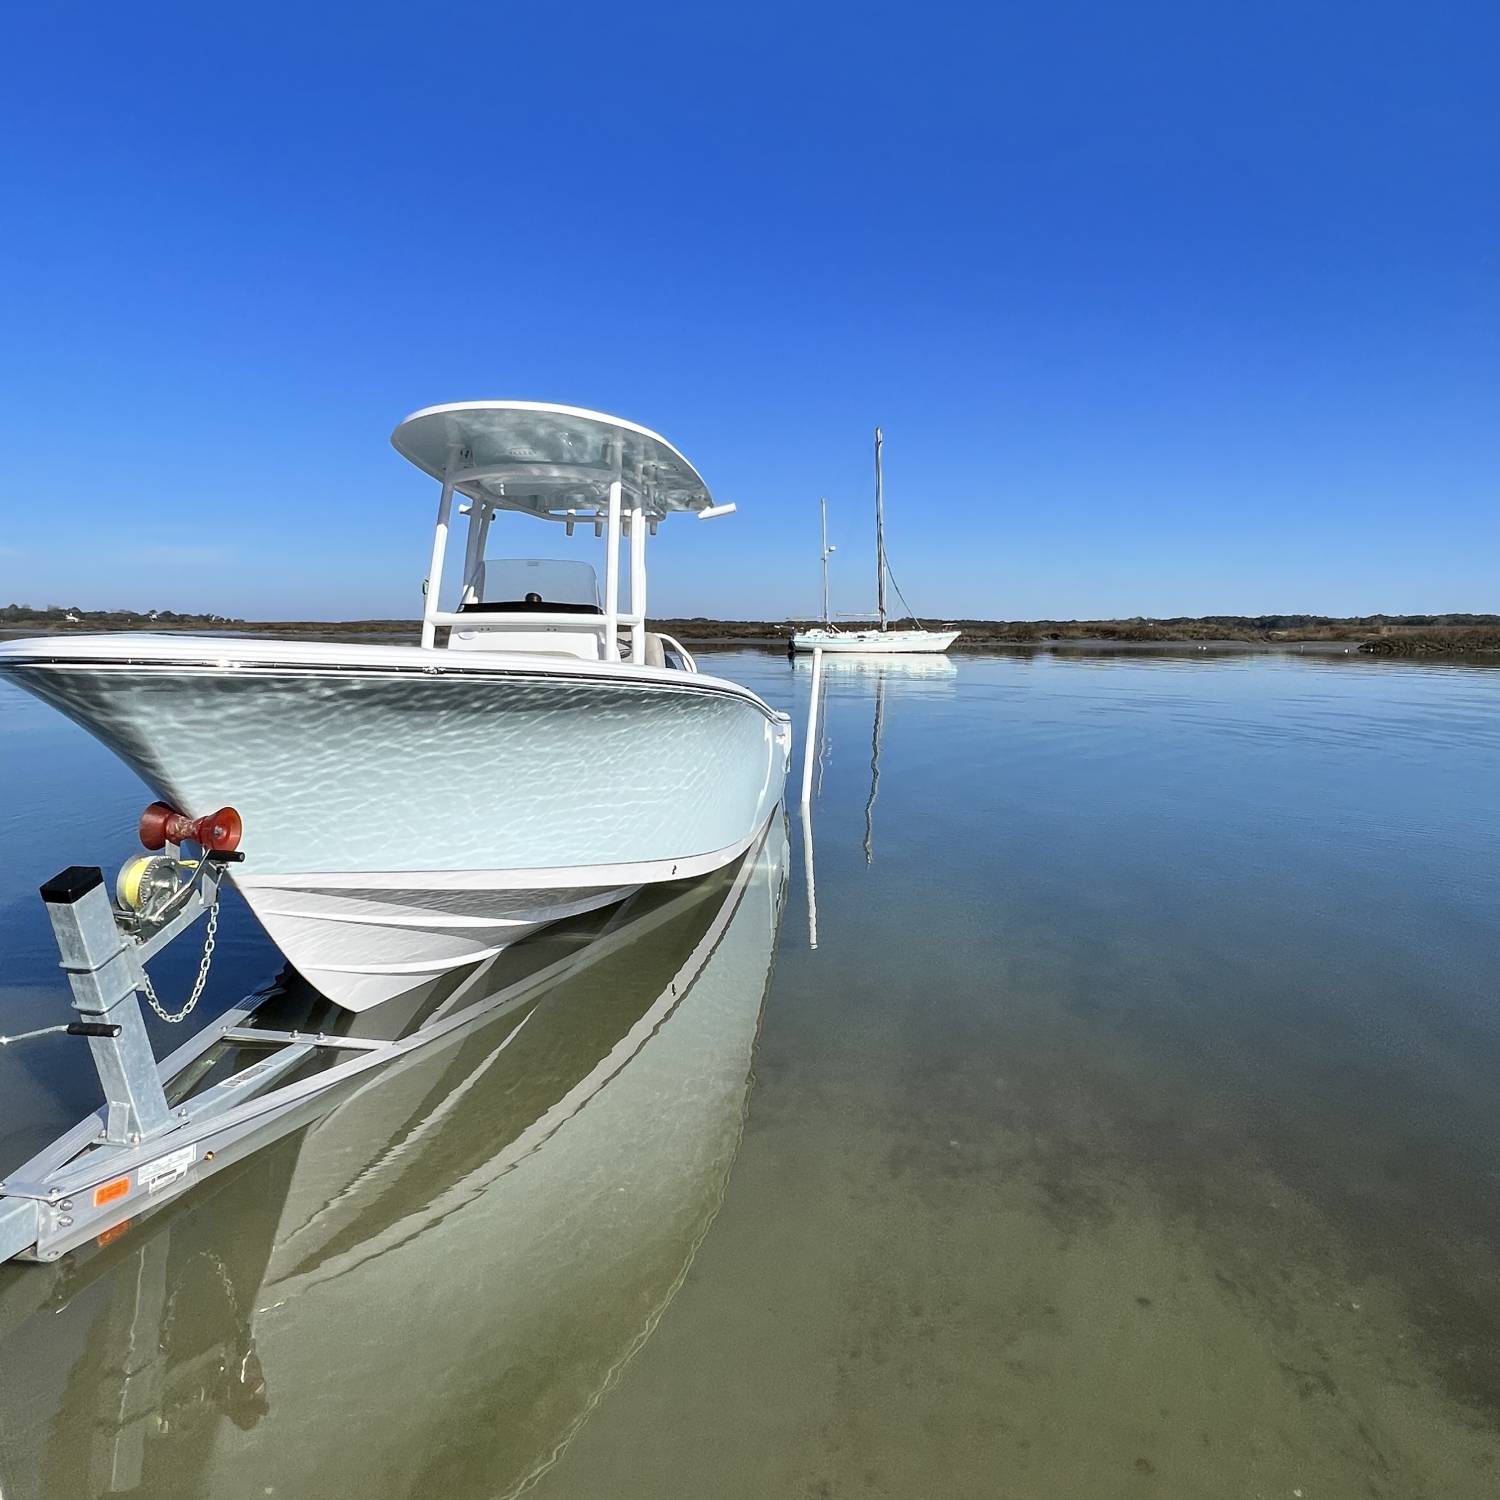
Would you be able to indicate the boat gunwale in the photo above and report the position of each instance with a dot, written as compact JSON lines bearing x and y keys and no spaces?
{"x":434,"y":662}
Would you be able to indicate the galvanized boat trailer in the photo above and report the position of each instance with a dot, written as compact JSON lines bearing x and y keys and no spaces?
{"x":238,"y":1084}
{"x":165,"y":1126}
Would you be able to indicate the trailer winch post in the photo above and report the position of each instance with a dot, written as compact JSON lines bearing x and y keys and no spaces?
{"x":104,"y":972}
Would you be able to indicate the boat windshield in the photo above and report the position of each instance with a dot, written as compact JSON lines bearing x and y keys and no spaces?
{"x":522,"y":583}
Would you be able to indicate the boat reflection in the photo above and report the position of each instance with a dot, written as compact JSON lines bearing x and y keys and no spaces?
{"x":430,"y":1286}
{"x":919,"y":669}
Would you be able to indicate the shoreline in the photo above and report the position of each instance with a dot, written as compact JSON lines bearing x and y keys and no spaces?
{"x":1404,"y":643}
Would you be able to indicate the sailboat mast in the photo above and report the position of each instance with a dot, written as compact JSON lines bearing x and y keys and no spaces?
{"x":823,"y":508}
{"x":879,"y":527}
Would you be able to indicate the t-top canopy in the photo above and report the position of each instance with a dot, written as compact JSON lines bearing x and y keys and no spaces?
{"x":549,"y":460}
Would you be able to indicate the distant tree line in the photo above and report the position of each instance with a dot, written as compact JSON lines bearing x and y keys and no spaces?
{"x":62,"y":614}
{"x":1387,"y":635}
{"x":1393,"y":635}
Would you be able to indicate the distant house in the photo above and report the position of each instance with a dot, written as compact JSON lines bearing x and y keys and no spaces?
{"x":150,"y":614}
{"x":71,"y":618}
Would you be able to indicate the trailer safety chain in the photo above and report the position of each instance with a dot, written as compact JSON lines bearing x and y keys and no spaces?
{"x":192,"y":1000}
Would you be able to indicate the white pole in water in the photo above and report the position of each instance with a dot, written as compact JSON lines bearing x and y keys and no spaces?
{"x":807,"y":876}
{"x":880,"y":526}
{"x":810,"y":740}
{"x":809,"y":756}
{"x":612,"y":576}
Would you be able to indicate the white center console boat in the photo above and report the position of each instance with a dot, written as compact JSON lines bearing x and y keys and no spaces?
{"x":411,"y":810}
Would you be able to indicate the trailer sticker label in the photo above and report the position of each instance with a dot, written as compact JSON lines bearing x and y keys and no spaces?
{"x":166,"y":1170}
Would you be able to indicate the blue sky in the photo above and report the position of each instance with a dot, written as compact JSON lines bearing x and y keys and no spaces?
{"x":1164,"y":308}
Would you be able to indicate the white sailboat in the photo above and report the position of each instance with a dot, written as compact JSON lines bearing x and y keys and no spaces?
{"x":884,"y":640}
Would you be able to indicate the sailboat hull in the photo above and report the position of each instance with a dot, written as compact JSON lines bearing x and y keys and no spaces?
{"x":883,"y":642}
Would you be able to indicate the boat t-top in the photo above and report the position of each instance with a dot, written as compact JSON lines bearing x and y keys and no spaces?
{"x":884,"y":640}
{"x":412,"y":809}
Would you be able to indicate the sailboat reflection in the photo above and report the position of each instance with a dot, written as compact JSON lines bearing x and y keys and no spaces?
{"x":875,"y":734}
{"x":911,"y":675}
{"x":431,"y":1285}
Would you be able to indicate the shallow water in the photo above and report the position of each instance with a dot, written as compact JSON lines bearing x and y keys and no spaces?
{"x":1130,"y":1130}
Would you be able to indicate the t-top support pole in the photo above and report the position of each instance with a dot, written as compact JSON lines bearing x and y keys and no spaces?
{"x":638,"y":584}
{"x":612,"y":575}
{"x":479,"y":528}
{"x":439,"y":547}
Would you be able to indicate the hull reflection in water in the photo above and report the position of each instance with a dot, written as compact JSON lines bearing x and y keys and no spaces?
{"x":428,"y":1288}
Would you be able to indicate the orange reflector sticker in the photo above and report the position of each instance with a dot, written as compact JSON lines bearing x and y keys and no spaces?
{"x":111,"y":1235}
{"x":110,"y":1192}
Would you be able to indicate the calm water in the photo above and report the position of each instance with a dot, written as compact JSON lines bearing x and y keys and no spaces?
{"x":1130,"y":1130}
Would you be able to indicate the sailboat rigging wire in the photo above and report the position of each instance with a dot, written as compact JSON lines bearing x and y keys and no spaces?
{"x":902,"y":597}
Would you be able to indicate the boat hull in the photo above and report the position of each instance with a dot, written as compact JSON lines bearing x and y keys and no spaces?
{"x":365,"y":938}
{"x":409,"y":812}
{"x":875,"y":642}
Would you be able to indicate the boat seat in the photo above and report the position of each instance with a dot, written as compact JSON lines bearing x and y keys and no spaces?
{"x":502,"y":633}
{"x":656,"y":653}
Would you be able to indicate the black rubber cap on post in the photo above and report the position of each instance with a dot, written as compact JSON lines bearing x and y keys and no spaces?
{"x":72,"y":885}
